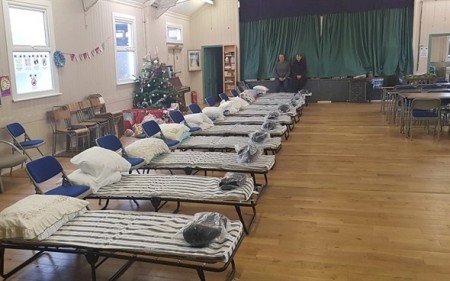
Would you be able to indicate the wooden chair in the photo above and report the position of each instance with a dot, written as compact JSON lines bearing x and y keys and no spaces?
{"x":60,"y":120}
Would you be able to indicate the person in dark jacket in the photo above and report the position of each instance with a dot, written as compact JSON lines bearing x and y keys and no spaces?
{"x":299,"y":72}
{"x":282,"y":71}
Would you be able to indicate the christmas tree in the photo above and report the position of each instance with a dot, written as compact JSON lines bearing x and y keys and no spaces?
{"x":153,"y":89}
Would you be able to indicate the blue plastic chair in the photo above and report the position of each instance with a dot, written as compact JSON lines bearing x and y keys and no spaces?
{"x":177,"y":117}
{"x":112,"y":142}
{"x":211,"y":101}
{"x":152,"y":128}
{"x":234,"y":93}
{"x":194,"y":108}
{"x":17,"y":132}
{"x":45,"y":168}
{"x":240,"y":89}
{"x":224,"y":97}
{"x":248,"y":85}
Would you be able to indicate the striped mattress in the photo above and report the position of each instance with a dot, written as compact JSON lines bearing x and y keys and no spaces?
{"x":176,"y":186}
{"x":146,"y":233}
{"x":215,"y":142}
{"x":261,"y":111}
{"x":275,"y":101}
{"x":211,"y":161}
{"x":238,"y":130}
{"x":259,"y":120}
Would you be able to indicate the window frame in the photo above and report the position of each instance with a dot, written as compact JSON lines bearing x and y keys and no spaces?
{"x":117,"y":17}
{"x":40,"y":6}
{"x":174,"y":26}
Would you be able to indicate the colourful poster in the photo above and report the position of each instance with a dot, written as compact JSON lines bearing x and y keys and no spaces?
{"x":5,"y":85}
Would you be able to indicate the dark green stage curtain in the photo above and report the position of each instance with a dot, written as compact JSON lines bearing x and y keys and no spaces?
{"x":356,"y":43}
{"x":262,"y":41}
{"x":351,"y":44}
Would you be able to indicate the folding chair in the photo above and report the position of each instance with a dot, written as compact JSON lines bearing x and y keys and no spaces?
{"x":152,"y":128}
{"x":177,"y":117}
{"x":194,"y":108}
{"x":425,"y":110}
{"x":10,"y":160}
{"x":45,"y":168}
{"x":211,"y":101}
{"x":112,"y":142}
{"x":224,"y":97}
{"x":17,"y":131}
{"x":234,"y":93}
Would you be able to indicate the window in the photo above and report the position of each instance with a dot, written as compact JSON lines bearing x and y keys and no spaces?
{"x":30,"y":41}
{"x":125,"y":48}
{"x":174,"y":33}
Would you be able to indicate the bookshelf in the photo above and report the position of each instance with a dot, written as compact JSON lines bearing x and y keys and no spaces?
{"x":229,"y":68}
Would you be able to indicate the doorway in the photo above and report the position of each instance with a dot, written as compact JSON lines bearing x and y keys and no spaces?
{"x":212,"y":71}
{"x":439,"y":55}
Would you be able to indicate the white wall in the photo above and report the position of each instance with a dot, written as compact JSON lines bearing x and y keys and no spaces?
{"x":216,"y":24}
{"x":156,"y":40}
{"x":430,"y":17}
{"x":75,"y":32}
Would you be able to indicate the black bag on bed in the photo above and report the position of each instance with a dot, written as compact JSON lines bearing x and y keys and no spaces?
{"x":205,"y":228}
{"x":232,"y":181}
{"x":247,"y":153}
{"x":259,"y":136}
{"x":284,"y":108}
{"x":269,"y":125}
{"x":273,"y":115}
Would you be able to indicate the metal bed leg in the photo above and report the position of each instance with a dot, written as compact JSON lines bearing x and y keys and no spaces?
{"x":232,"y":272}
{"x":122,"y":270}
{"x":92,"y":260}
{"x":17,"y":268}
{"x":201,"y":274}
{"x":178,"y":207}
{"x":106,"y":205}
{"x":241,"y":218}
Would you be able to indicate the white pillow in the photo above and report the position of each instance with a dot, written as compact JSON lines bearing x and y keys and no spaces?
{"x":39,"y":216}
{"x":260,"y":88}
{"x":196,"y":118}
{"x":229,"y":105}
{"x":81,"y":178}
{"x":199,"y":120}
{"x":247,"y":97}
{"x":173,"y":131}
{"x":214,"y":113}
{"x":238,"y":102}
{"x":147,"y":148}
{"x":99,"y":162}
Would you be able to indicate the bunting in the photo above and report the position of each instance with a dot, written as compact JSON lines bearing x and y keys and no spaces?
{"x":86,"y":55}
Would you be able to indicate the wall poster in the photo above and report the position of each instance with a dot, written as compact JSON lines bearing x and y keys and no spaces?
{"x":33,"y":72}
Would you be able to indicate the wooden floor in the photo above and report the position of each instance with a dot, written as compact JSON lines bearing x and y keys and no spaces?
{"x":349,"y":199}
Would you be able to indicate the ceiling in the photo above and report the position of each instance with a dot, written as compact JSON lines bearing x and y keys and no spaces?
{"x":183,"y":7}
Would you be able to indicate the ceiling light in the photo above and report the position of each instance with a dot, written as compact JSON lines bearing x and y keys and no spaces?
{"x":209,"y":2}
